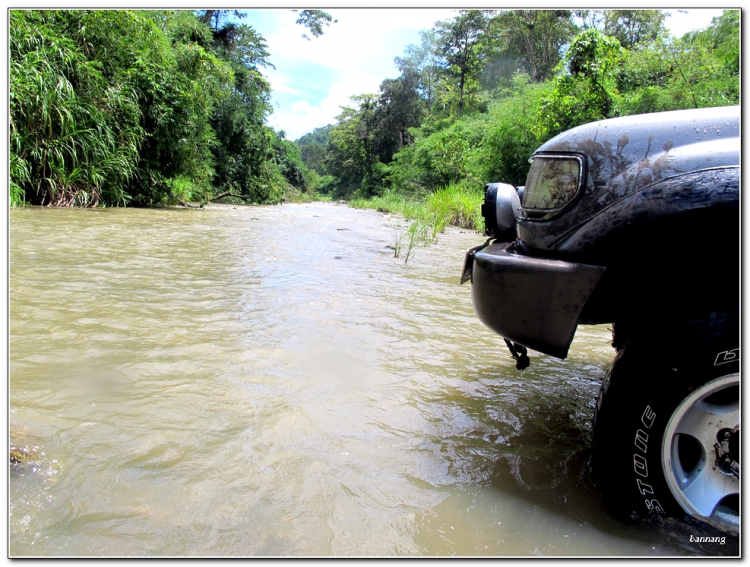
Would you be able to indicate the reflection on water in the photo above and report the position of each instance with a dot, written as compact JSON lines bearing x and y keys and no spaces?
{"x":255,"y":381}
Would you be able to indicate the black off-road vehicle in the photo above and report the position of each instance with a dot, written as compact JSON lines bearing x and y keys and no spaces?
{"x":633,"y":221}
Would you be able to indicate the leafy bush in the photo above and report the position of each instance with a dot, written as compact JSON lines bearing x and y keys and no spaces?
{"x":584,"y":88}
{"x":326,"y":184}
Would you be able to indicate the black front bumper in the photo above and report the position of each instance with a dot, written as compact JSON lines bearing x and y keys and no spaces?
{"x":531,"y":301}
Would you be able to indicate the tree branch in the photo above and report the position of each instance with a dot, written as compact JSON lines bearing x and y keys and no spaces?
{"x":228,"y":194}
{"x":181,"y":202}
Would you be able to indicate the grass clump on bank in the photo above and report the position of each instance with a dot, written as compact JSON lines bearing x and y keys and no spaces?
{"x":452,"y":205}
{"x":427,"y":215}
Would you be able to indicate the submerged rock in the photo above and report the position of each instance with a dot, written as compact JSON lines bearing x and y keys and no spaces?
{"x":19,"y":456}
{"x":24,"y":454}
{"x":20,"y":452}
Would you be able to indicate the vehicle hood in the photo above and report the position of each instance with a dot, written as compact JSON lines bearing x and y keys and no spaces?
{"x":625,"y":155}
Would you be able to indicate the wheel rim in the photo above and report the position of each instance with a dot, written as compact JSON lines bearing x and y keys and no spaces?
{"x":700,"y":453}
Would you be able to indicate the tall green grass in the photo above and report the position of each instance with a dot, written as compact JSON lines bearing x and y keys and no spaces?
{"x":454,"y":205}
{"x":295,"y":195}
{"x":427,"y":215}
{"x":458,"y":206}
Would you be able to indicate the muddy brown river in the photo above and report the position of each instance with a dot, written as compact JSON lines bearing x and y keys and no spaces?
{"x":271,"y":381}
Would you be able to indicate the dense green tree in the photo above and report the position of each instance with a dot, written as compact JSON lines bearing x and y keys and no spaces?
{"x":179,"y":95}
{"x":425,"y":61}
{"x":313,"y":148}
{"x":350,"y":146}
{"x":314,"y":20}
{"x":585,"y":92}
{"x":364,"y":141}
{"x":318,"y":136}
{"x":460,"y":42}
{"x":535,"y":93}
{"x":120,"y":107}
{"x":398,"y":109}
{"x":674,"y":74}
{"x":244,"y":157}
{"x":245,"y":149}
{"x":629,"y":27}
{"x":312,"y":155}
{"x":289,"y":160}
{"x":148,"y":107}
{"x":722,"y":39}
{"x":535,"y":38}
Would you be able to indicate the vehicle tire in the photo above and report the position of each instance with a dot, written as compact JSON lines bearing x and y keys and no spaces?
{"x":666,"y":428}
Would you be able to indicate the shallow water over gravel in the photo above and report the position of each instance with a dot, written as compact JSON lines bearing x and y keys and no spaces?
{"x":271,"y":381}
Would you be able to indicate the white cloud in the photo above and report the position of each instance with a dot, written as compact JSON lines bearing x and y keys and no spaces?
{"x":301,"y":117}
{"x":679,"y":23}
{"x":280,"y":82}
{"x":301,"y":106}
{"x":356,"y":53}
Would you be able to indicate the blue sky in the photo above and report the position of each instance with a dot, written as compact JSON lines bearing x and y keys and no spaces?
{"x":312,"y":79}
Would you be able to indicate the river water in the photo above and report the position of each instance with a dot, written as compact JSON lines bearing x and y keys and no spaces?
{"x":271,"y":381}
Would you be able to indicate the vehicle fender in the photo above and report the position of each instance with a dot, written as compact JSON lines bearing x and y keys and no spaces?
{"x":711,"y":189}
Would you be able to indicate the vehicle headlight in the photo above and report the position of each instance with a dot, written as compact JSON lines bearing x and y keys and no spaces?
{"x":500,"y":209}
{"x":554,"y":182}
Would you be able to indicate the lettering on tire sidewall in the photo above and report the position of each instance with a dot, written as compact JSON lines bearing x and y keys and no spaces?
{"x":727,"y":357}
{"x":640,"y":464}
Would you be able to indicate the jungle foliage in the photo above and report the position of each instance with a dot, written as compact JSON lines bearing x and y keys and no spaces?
{"x":121,"y":107}
{"x":486,"y":88}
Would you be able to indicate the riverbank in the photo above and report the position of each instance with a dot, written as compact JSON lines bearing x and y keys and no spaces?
{"x":452,"y":205}
{"x":428,"y":215}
